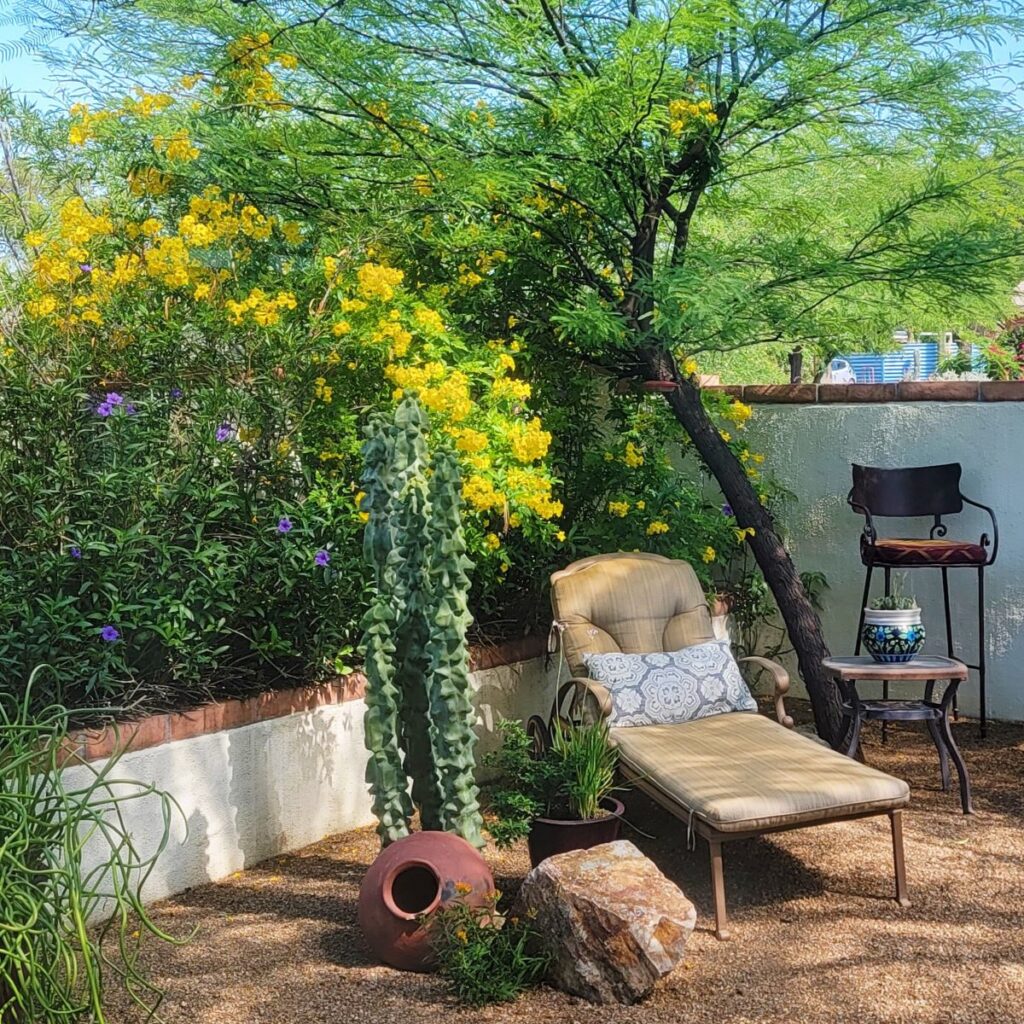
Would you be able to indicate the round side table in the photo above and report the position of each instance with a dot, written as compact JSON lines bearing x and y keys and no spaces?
{"x":926,"y":669}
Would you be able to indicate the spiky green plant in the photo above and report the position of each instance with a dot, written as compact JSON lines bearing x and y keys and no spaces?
{"x":67,"y":856}
{"x":419,"y":716}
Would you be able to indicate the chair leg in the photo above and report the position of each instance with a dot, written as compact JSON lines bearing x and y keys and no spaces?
{"x":885,"y":682}
{"x":718,"y":890}
{"x":949,"y":629}
{"x":898,"y":861}
{"x":981,"y":651}
{"x":863,"y":605}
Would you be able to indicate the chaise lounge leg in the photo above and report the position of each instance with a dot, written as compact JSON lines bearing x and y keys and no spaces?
{"x":718,"y":890}
{"x":896,"y":821}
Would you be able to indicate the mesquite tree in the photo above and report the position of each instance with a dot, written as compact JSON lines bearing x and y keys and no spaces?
{"x":419,"y":716}
{"x":636,"y":182}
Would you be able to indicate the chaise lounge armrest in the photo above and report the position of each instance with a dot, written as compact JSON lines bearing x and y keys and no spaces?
{"x":590,"y":700}
{"x":780,"y":681}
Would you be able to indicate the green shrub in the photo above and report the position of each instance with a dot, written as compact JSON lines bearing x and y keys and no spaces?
{"x":485,"y":957}
{"x":151,"y":555}
{"x":567,"y":781}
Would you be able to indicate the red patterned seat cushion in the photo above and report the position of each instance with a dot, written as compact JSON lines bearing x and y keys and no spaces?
{"x":906,"y":552}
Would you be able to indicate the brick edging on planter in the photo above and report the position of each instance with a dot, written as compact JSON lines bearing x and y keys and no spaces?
{"x":906,"y":391}
{"x":88,"y":745}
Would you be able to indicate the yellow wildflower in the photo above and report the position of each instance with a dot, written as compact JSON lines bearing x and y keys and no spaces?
{"x":378,"y":282}
{"x":656,"y":527}
{"x":633,"y":457}
{"x":492,"y":542}
{"x":709,"y":554}
{"x":529,"y":443}
{"x":619,"y":508}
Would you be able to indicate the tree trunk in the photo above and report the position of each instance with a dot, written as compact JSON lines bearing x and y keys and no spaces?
{"x":779,"y":572}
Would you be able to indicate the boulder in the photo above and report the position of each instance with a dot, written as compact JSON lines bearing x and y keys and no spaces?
{"x":612,"y":923}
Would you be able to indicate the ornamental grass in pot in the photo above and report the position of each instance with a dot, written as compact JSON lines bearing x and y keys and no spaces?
{"x":893,"y":631}
{"x":560,"y":798}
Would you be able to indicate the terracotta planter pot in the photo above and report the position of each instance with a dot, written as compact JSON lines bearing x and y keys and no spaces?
{"x":549,"y":836}
{"x":411,"y":878}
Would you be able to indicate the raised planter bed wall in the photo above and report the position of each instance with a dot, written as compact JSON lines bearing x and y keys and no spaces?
{"x":261,"y":777}
{"x":810,"y":434}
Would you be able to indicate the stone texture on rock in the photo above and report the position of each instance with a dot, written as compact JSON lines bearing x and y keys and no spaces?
{"x":612,"y":922}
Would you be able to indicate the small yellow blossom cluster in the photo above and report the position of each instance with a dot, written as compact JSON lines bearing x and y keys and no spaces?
{"x":251,"y":58}
{"x":632,"y":457}
{"x":534,"y":492}
{"x":84,"y":123}
{"x":530,"y":442}
{"x":656,"y":527}
{"x":684,"y":115}
{"x":738,"y":413}
{"x":263,"y":308}
{"x":177,"y":147}
{"x":323,"y":390}
{"x":148,"y":181}
{"x":479,"y":492}
{"x":378,"y":282}
{"x":618,"y":508}
{"x":481,"y":114}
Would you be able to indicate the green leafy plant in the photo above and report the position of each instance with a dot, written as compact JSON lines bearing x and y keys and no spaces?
{"x":568,"y":781}
{"x":895,"y":600}
{"x":419,"y":715}
{"x":485,"y":957}
{"x":67,"y":857}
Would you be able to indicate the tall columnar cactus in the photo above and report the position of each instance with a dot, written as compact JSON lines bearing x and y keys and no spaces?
{"x":419,"y":716}
{"x":451,"y":710}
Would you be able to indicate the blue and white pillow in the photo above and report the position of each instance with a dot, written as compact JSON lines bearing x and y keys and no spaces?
{"x":675,"y":686}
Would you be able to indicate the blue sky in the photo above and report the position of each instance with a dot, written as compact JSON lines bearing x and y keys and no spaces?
{"x":29,"y":77}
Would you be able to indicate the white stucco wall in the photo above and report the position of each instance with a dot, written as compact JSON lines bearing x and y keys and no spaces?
{"x":809,"y":449}
{"x":253,"y":792}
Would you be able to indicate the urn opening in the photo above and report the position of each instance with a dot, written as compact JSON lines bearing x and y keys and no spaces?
{"x":413,"y":889}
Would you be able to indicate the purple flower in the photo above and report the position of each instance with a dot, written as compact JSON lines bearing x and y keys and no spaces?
{"x":130,"y":410}
{"x":322,"y":557}
{"x":75,"y":552}
{"x":224,"y":432}
{"x":176,"y":392}
{"x":104,"y":409}
{"x":113,"y":398}
{"x":110,"y":634}
{"x":727,"y":509}
{"x":284,"y":524}
{"x":85,"y":268}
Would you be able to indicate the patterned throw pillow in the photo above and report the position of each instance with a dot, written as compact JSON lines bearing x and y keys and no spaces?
{"x":676,"y":686}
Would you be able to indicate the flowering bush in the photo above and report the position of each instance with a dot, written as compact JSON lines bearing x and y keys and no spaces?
{"x":484,"y":956}
{"x":181,"y":411}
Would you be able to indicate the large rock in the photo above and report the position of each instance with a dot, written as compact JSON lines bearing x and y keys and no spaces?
{"x":612,"y":922}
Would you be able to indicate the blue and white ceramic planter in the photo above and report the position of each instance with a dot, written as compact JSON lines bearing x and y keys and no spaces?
{"x":893,"y":636}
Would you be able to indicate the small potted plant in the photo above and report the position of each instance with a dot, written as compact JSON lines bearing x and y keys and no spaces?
{"x":559,"y":799}
{"x":893,"y":631}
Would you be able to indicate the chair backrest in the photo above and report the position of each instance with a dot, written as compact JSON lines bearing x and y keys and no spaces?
{"x":631,"y":603}
{"x":914,"y":491}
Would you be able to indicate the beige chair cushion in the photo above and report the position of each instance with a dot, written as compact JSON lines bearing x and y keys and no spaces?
{"x":740,"y":772}
{"x":630,"y":604}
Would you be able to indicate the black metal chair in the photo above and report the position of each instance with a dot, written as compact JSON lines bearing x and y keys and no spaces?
{"x":932,"y":491}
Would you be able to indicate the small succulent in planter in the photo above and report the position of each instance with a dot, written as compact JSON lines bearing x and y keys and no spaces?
{"x":893,"y":631}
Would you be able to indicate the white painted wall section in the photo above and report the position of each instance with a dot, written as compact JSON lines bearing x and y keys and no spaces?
{"x":809,"y":449}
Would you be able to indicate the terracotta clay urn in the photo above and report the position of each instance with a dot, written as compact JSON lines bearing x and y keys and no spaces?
{"x":411,"y":878}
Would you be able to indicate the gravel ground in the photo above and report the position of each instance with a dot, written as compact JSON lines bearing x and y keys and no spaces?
{"x":815,"y":936}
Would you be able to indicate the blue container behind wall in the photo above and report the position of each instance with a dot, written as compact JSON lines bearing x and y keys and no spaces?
{"x":915,"y":360}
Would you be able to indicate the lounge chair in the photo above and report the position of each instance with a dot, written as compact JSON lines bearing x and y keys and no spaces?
{"x":727,"y":776}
